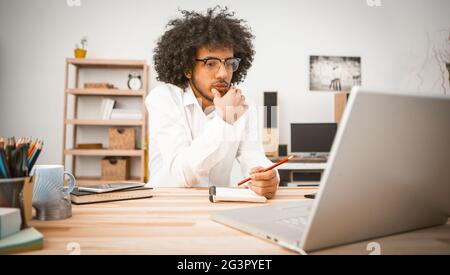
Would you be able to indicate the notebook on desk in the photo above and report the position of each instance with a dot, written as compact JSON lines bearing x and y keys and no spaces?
{"x":217,"y":194}
{"x":83,"y":197}
{"x":110,"y":187}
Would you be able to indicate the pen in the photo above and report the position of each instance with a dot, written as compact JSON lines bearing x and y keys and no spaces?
{"x":269,"y":168}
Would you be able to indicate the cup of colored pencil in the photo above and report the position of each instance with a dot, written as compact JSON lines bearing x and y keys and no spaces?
{"x":17,"y":157}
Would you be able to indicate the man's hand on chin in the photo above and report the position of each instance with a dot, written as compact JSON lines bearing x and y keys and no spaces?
{"x":264,"y":183}
{"x":231,"y":105}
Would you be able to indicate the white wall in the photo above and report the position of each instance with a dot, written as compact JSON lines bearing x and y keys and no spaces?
{"x":395,"y":42}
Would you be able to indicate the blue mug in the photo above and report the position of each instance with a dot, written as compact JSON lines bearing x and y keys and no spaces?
{"x":49,"y":184}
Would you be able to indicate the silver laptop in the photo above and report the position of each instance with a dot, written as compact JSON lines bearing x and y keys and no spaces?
{"x":388,"y":172}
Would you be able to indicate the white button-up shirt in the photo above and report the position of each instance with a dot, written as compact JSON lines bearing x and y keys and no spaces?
{"x":190,"y":148}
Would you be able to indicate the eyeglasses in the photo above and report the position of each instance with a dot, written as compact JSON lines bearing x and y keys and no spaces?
{"x":212,"y":64}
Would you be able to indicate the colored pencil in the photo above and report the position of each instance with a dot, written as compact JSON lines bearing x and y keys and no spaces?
{"x":18,"y":158}
{"x":4,"y":167}
{"x":35,"y":155}
{"x":268,"y":168}
{"x":32,"y":146}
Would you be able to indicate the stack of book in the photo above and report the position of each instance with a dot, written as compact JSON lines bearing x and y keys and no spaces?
{"x":110,"y":192}
{"x":14,"y":240}
{"x":24,"y":240}
{"x":126,"y":114}
{"x":107,"y":111}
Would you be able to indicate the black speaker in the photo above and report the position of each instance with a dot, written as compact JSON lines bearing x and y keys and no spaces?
{"x":270,"y":134}
{"x":270,"y":110}
{"x":282,"y":150}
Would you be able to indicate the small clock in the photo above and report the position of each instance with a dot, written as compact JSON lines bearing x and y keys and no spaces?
{"x":134,"y":81}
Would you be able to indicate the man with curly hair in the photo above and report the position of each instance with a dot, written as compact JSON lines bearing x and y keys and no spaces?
{"x":199,"y":123}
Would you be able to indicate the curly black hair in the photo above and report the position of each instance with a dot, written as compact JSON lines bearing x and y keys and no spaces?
{"x":176,"y":50}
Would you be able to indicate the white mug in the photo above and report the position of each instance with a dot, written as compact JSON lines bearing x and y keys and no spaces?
{"x":49,"y":184}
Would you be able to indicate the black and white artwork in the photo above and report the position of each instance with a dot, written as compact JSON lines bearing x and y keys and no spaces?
{"x":334,"y":73}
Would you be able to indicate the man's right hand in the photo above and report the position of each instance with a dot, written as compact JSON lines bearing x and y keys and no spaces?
{"x":231,"y":106}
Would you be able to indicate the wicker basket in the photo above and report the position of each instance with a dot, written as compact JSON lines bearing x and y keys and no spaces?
{"x":115,"y":168}
{"x":122,"y":138}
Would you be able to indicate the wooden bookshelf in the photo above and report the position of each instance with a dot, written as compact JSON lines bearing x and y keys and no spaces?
{"x":72,"y":77}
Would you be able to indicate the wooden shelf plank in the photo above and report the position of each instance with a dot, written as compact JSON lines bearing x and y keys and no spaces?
{"x":100,"y":122}
{"x":105,"y":63}
{"x":104,"y":152}
{"x":86,"y":181}
{"x":105,"y":92}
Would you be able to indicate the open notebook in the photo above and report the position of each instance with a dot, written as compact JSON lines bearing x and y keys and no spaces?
{"x":234,"y":194}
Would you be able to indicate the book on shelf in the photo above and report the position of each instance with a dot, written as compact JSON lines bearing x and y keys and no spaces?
{"x":25,"y":240}
{"x":126,"y":114}
{"x":109,"y":108}
{"x":102,"y":109}
{"x":84,"y":197}
{"x":106,"y":108}
{"x":100,"y":85}
{"x":90,"y":146}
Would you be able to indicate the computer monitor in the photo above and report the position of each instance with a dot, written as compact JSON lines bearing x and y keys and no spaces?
{"x":312,"y":139}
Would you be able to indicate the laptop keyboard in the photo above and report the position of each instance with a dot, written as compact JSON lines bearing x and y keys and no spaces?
{"x":298,"y":221}
{"x":295,"y":222}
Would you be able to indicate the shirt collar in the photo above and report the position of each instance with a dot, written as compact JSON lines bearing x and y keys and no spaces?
{"x":190,"y":99}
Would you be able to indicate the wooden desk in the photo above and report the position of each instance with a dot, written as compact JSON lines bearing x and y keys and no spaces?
{"x":175,"y":221}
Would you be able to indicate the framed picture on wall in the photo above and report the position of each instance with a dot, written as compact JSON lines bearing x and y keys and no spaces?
{"x":334,"y":73}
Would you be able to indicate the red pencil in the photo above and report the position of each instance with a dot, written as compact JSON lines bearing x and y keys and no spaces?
{"x":269,"y":168}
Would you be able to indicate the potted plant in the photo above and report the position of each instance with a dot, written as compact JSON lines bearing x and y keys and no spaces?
{"x":80,"y":52}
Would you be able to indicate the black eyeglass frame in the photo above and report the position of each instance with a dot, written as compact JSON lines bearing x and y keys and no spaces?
{"x":206,"y":59}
